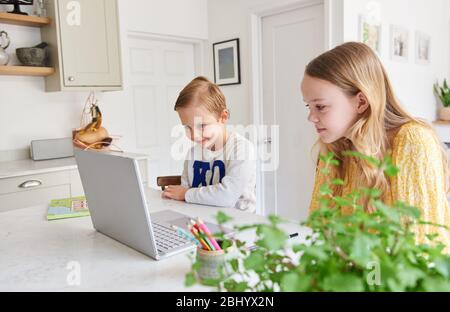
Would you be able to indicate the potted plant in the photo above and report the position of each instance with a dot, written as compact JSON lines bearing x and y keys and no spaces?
{"x":357,"y":252}
{"x":443,"y":92}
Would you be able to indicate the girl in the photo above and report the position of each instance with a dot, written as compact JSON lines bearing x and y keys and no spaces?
{"x":353,"y":107}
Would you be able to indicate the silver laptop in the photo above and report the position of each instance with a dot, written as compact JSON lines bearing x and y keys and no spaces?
{"x":117,"y":203}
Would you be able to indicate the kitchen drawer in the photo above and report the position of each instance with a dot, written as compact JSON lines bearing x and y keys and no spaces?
{"x":35,"y":182}
{"x":33,"y":197}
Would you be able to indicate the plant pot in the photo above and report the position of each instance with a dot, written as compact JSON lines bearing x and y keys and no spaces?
{"x":444,"y":113}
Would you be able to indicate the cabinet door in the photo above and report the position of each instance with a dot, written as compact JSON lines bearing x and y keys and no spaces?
{"x":89,"y":37}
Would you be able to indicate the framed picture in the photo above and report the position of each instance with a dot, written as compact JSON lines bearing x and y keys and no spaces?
{"x":399,"y":43}
{"x":227,"y":69}
{"x":423,"y":48}
{"x":370,"y":33}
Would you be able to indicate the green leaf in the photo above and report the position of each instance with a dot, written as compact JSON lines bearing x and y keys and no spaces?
{"x":293,"y":282}
{"x":343,"y":283}
{"x":189,"y":279}
{"x":325,"y":190}
{"x":232,"y":285}
{"x":368,"y":159}
{"x":334,"y":162}
{"x":275,"y":220}
{"x":222,"y":218}
{"x":272,"y":238}
{"x":234,"y":264}
{"x":337,"y":182}
{"x":255,"y":261}
{"x":325,"y":171}
{"x":443,"y":266}
{"x":409,"y":276}
{"x":435,"y":284}
{"x":342,"y":202}
{"x":389,"y":168}
{"x":361,"y":250}
{"x":316,"y":252}
{"x":387,"y":211}
{"x":373,"y":193}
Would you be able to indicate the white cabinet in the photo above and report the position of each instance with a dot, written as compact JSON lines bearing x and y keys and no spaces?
{"x":34,"y":189}
{"x":84,"y":45}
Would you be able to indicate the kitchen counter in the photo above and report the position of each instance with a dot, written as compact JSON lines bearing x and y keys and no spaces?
{"x":36,"y":254}
{"x":17,"y":168}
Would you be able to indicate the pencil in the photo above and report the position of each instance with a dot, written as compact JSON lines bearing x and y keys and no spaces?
{"x":201,"y":240}
{"x":208,"y":233}
{"x":203,"y":235}
{"x":183,"y":233}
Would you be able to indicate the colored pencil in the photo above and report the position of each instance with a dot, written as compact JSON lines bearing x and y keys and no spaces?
{"x":203,"y":235}
{"x":208,"y":233}
{"x":183,"y":233}
{"x":199,"y":238}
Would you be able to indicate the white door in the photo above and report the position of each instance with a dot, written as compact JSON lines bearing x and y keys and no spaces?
{"x":289,"y":41}
{"x":158,"y":72}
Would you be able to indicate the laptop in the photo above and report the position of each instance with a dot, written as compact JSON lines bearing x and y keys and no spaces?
{"x":118,"y":206}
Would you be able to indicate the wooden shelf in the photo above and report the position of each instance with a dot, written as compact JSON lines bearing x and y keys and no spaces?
{"x":23,"y":20}
{"x":26,"y":71}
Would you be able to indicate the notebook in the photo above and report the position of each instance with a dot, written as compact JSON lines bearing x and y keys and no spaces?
{"x":68,"y":208}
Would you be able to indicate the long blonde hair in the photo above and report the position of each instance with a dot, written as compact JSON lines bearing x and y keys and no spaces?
{"x":355,"y":68}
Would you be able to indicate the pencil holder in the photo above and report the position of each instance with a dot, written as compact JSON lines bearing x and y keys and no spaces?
{"x":212,"y":264}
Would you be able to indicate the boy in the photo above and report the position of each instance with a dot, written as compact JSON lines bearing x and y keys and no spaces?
{"x":220,"y":170}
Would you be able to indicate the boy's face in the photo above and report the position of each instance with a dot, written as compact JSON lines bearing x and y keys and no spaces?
{"x":203,"y":126}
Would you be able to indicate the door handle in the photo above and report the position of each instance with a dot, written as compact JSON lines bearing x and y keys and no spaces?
{"x":30,"y":184}
{"x":268,"y":141}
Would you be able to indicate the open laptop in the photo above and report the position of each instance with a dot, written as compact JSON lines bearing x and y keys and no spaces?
{"x":118,"y":207}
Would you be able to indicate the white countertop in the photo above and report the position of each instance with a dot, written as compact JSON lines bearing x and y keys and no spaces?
{"x":34,"y":252}
{"x":17,"y":168}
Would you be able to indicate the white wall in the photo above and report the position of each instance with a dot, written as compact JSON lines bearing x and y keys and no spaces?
{"x":27,"y":112}
{"x":232,"y":19}
{"x":412,"y":82}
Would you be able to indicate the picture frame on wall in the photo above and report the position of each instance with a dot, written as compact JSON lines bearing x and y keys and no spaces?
{"x":227,"y":69}
{"x":399,"y":43}
{"x":423,"y":48}
{"x":370,"y":33}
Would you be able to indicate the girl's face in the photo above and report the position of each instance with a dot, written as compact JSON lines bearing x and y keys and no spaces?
{"x":331,"y":110}
{"x":203,"y":126}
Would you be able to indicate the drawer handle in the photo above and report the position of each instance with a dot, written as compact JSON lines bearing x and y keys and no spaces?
{"x":30,"y":184}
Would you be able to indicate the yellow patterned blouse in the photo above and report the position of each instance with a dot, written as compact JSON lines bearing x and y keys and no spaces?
{"x":420,"y":182}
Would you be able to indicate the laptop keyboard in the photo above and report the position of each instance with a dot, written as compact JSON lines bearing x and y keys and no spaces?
{"x":167,"y":238}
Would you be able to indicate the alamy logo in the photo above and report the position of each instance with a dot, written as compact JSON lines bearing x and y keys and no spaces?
{"x":74,"y":276}
{"x":74,"y":16}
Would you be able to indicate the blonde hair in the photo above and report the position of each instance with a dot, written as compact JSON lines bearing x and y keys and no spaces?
{"x":201,"y":91}
{"x":355,"y":68}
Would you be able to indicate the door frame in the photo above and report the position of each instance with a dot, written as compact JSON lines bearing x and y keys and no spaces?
{"x":334,"y":21}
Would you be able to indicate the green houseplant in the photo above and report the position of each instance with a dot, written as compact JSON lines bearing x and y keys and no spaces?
{"x":443,"y":92}
{"x":357,"y":252}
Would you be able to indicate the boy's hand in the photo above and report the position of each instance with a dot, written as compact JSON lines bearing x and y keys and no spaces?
{"x":176,"y":192}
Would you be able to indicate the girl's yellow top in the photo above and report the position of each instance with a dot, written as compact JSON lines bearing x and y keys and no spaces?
{"x":420,"y":183}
